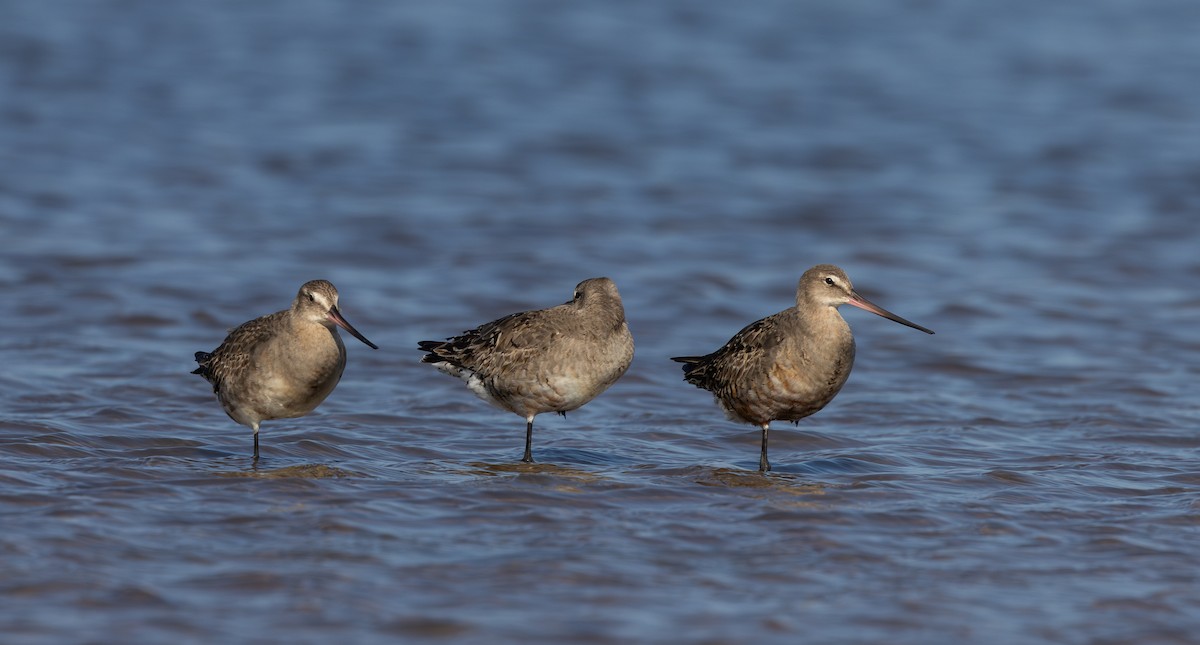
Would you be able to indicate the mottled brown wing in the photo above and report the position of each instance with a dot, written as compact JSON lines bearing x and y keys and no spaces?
{"x":235,"y":354}
{"x":746,"y":351}
{"x":507,"y":337}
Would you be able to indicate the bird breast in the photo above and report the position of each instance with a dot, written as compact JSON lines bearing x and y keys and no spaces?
{"x":314,"y":357}
{"x":804,"y":379}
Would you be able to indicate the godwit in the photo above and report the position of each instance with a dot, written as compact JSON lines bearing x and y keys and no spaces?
{"x":547,"y":360}
{"x":789,"y":365}
{"x":281,"y":365}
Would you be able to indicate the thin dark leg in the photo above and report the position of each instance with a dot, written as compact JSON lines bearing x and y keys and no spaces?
{"x":763,"y":464}
{"x":528,"y":458}
{"x":255,"y":446}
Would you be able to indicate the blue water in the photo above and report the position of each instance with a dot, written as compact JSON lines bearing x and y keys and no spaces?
{"x":1023,"y":178}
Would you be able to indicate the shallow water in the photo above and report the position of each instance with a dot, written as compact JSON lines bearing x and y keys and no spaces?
{"x":1022,"y":179}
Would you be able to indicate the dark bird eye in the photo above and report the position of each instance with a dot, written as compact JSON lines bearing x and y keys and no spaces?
{"x":829,"y":281}
{"x":312,"y":298}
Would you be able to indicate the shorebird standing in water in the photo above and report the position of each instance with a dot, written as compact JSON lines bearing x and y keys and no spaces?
{"x":281,"y":365}
{"x":548,"y":360}
{"x":789,"y":365}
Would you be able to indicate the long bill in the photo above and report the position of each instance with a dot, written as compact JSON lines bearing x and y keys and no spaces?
{"x":336,"y":317}
{"x":863,"y":303}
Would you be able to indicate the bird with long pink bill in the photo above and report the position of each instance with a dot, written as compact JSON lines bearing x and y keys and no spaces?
{"x":789,"y":365}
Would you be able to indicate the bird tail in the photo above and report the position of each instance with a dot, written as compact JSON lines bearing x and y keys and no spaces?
{"x":432,"y":347}
{"x":202,"y":359}
{"x":693,"y":368}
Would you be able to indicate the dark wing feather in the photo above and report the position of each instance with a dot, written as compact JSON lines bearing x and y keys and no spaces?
{"x":749,"y":347}
{"x":234,"y":353}
{"x":202,"y":358}
{"x":514,"y":333}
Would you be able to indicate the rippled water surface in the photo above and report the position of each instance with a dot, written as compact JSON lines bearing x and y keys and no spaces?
{"x":1022,"y":177}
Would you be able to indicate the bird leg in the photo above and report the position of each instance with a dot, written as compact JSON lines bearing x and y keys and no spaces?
{"x":763,"y":464}
{"x":528,"y":458}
